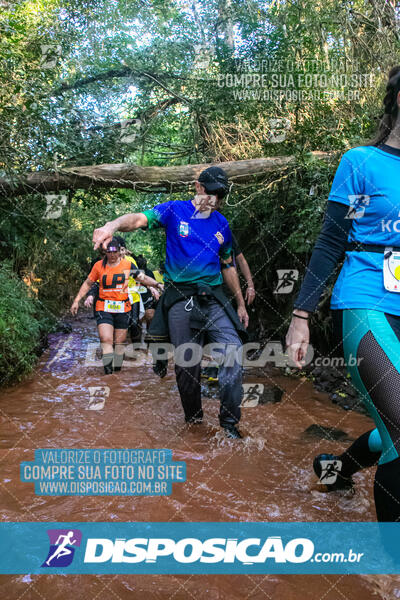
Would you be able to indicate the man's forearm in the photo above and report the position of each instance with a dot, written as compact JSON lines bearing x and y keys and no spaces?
{"x":244,"y":267}
{"x":103,"y":235}
{"x":147,"y":281}
{"x":232,"y":281}
{"x":128,"y":222}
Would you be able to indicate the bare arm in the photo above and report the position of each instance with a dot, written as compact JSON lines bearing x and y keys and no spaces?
{"x":148,"y":281}
{"x":83,"y":290}
{"x":94,"y":289}
{"x":232,"y":281}
{"x":129,"y":222}
{"x":85,"y":287}
{"x":245,"y":269}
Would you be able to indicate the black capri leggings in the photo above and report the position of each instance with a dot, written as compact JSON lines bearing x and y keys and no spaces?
{"x":370,"y":341}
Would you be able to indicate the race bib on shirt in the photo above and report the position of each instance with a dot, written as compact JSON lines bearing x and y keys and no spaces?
{"x":391,"y":270}
{"x":114,"y":306}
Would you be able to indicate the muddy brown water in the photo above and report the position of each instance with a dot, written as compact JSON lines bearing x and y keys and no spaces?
{"x":266,"y":477}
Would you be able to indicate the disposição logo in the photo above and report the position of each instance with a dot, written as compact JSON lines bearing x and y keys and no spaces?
{"x":62,"y":547}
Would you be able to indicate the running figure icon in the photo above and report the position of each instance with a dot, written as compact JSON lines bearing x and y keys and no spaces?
{"x":62,"y":549}
{"x":330,"y":471}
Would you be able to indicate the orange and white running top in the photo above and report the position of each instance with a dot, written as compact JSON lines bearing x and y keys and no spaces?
{"x":113,"y":282}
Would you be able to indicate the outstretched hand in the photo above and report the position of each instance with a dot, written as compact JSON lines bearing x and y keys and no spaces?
{"x":102,"y":236}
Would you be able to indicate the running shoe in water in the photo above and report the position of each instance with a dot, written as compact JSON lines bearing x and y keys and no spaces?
{"x":327,"y":468}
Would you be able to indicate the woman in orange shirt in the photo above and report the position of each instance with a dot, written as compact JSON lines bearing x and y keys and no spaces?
{"x":113,"y":308}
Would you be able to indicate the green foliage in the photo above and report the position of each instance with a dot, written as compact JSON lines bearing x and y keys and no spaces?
{"x":22,"y":320}
{"x":160,"y":64}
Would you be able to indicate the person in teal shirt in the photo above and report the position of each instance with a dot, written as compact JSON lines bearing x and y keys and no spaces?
{"x":362,"y":222}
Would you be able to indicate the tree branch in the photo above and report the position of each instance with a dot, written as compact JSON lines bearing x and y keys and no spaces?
{"x":144,"y":179}
{"x":144,"y":115}
{"x":113,"y":74}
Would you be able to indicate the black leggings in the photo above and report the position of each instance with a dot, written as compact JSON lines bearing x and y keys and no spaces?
{"x":370,"y":342}
{"x":134,"y":326}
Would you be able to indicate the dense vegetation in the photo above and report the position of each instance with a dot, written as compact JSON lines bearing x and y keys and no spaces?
{"x":151,"y":82}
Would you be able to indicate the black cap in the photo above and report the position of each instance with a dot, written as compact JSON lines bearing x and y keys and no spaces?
{"x":214,"y":180}
{"x":113,"y":245}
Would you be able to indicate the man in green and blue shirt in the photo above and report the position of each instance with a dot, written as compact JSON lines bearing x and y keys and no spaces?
{"x":193,"y":307}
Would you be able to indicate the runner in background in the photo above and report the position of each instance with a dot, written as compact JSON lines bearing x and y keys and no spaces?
{"x":210,"y":372}
{"x":159,"y":274}
{"x":240,"y":261}
{"x":135,"y":298}
{"x":149,"y":296}
{"x":137,"y":310}
{"x":112,"y":306}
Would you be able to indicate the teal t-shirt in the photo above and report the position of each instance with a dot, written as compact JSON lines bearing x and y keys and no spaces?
{"x":194,"y":245}
{"x":367,"y":181}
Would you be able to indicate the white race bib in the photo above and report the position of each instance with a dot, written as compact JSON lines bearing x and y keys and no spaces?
{"x":114,"y":306}
{"x":391,"y":270}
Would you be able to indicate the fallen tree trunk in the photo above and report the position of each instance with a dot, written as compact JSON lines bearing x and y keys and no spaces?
{"x":143,"y":179}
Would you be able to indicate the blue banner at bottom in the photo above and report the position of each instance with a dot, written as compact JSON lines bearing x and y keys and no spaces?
{"x":200,"y":548}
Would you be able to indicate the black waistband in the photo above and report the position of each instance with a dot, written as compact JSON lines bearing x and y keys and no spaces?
{"x":360,"y":247}
{"x":192,"y":289}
